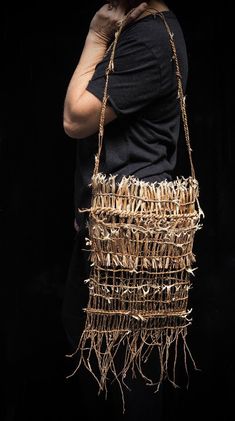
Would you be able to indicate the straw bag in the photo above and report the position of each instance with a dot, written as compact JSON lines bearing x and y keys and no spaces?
{"x":141,"y":250}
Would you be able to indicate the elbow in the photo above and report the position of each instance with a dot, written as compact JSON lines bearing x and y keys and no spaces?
{"x":77,"y":128}
{"x":69,"y":129}
{"x":73,"y":129}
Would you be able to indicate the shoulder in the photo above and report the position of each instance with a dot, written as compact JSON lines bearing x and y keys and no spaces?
{"x":148,"y":32}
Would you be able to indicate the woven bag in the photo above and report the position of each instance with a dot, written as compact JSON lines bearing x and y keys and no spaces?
{"x":141,"y":250}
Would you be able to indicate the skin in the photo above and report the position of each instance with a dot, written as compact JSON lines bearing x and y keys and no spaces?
{"x":82,"y":108}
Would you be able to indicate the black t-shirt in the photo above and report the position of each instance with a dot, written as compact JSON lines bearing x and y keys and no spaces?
{"x":142,"y":141}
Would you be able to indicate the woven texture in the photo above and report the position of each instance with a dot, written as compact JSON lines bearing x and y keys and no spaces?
{"x":141,"y":239}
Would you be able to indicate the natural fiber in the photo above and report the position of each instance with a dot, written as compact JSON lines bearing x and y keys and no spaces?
{"x":141,"y":250}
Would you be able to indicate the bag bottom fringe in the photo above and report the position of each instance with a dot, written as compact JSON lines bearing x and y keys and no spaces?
{"x":98,"y":351}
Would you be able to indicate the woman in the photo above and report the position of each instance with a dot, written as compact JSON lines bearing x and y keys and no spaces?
{"x":141,"y":122}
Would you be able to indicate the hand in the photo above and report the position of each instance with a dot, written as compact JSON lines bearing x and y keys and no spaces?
{"x":106,"y":20}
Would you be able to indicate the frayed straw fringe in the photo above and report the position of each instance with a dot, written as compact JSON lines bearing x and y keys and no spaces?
{"x":141,"y":239}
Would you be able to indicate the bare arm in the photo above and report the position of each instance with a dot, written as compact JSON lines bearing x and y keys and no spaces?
{"x":82,"y":108}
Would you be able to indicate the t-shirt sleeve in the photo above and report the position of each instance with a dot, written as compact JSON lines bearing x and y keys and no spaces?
{"x":135,"y":81}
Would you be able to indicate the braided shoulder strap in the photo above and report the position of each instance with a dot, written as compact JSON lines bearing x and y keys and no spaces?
{"x":181,"y":97}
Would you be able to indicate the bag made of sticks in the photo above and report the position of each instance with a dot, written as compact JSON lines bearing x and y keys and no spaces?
{"x":141,"y":239}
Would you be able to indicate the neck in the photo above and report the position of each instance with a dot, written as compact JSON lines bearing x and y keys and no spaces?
{"x":158,"y":4}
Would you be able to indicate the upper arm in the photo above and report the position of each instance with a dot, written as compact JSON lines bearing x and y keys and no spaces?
{"x":134,"y":83}
{"x":136,"y":79}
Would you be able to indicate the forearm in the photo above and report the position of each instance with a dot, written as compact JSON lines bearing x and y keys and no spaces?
{"x":93,"y":52}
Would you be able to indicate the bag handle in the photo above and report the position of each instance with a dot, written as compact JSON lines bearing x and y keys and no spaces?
{"x":181,"y":97}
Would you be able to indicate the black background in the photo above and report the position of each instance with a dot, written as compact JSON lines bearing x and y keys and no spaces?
{"x":40,"y":49}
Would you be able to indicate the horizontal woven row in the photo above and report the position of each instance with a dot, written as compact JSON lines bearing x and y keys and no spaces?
{"x":132,"y":195}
